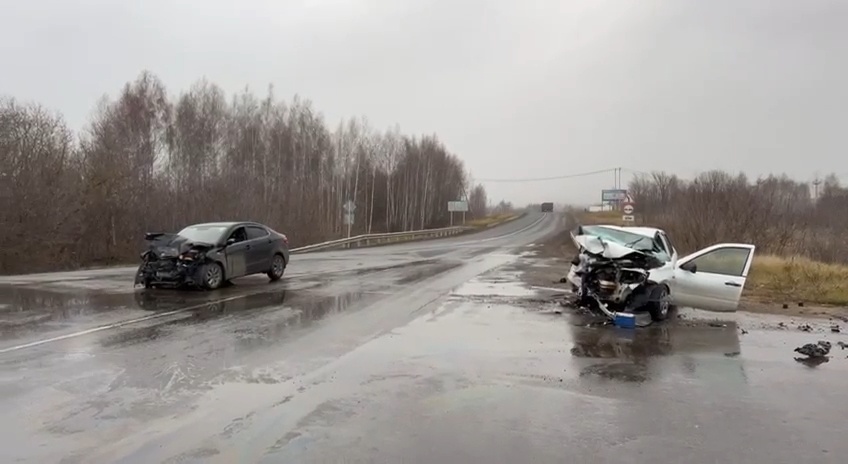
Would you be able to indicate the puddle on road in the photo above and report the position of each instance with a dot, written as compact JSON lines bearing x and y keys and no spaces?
{"x":24,"y":308}
{"x":427,"y":271}
{"x":255,"y":320}
{"x":502,"y":284}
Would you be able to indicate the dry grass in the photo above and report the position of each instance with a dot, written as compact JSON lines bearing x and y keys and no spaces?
{"x":601,"y":217}
{"x":776,"y":279}
{"x":490,"y":220}
{"x":797,"y":279}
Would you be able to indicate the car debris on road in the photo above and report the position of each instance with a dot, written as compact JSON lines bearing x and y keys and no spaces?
{"x":816,"y":353}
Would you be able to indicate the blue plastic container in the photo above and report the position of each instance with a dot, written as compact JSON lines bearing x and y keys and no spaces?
{"x":625,"y":320}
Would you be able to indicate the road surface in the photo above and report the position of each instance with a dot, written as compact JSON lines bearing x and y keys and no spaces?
{"x":419,"y":352}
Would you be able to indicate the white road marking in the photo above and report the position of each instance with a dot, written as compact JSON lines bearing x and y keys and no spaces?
{"x":116,"y":325}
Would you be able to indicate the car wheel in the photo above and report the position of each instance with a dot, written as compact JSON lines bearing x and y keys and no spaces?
{"x":660,"y":307}
{"x":278,"y":267}
{"x":212,"y":276}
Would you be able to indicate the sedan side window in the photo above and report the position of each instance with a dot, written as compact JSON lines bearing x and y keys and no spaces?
{"x":239,"y":235}
{"x":254,"y":232}
{"x":724,"y":261}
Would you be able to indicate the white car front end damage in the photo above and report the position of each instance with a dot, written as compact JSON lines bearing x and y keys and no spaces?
{"x":629,"y":269}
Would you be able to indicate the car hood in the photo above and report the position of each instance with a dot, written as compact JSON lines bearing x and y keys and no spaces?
{"x":595,"y":245}
{"x":172,"y":245}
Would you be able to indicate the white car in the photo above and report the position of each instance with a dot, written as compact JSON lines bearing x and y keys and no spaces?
{"x":629,"y":269}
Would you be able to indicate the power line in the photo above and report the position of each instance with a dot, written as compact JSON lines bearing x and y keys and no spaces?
{"x":538,"y":179}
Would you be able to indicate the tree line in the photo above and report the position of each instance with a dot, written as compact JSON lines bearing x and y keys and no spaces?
{"x":779,"y":215}
{"x":147,"y":162}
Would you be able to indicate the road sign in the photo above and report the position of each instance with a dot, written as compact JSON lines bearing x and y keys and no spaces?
{"x":349,"y":206}
{"x":628,"y":218}
{"x":628,"y":209}
{"x":613,"y":195}
{"x":348,"y":218}
{"x":457,"y":206}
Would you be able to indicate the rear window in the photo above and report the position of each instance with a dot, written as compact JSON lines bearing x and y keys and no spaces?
{"x":256,"y":232}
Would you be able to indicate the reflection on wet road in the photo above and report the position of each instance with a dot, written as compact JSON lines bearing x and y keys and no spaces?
{"x":428,"y":353}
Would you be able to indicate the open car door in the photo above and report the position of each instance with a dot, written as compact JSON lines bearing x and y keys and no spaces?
{"x":712,"y":278}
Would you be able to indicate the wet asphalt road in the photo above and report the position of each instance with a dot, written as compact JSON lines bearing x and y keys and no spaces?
{"x":419,"y":352}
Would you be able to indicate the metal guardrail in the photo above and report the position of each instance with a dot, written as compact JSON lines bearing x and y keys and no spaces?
{"x":375,"y":239}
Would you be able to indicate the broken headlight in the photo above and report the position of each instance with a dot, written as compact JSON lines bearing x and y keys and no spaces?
{"x":191,"y":255}
{"x":168,"y":252}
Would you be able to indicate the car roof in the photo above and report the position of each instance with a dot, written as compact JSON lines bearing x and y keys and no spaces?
{"x":226,"y":224}
{"x":645,"y":231}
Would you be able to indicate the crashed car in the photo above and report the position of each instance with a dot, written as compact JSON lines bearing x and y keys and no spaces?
{"x":209,"y":255}
{"x":637,"y":269}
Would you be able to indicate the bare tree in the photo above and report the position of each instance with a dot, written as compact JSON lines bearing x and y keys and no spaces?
{"x":776,"y":213}
{"x":146,"y":163}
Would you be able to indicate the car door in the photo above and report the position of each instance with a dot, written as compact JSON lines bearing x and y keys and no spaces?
{"x":261,"y":247}
{"x":712,"y":278}
{"x":237,"y":253}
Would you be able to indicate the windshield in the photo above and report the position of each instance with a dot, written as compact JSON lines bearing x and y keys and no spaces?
{"x":204,"y":234}
{"x":632,"y":240}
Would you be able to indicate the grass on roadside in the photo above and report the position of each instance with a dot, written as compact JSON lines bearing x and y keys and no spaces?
{"x":780,"y":279}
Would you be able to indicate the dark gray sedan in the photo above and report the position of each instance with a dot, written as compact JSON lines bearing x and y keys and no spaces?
{"x":208,"y":255}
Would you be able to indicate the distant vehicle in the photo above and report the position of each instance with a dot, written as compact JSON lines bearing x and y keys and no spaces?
{"x":547,"y":207}
{"x":208,"y":255}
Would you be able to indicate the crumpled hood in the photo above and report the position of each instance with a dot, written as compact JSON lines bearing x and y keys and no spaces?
{"x":606,"y":248}
{"x":172,"y":245}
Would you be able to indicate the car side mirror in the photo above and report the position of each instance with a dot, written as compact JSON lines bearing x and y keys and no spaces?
{"x":230,"y":241}
{"x":691,"y":267}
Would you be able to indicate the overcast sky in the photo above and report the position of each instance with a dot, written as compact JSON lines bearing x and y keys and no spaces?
{"x":516,"y":88}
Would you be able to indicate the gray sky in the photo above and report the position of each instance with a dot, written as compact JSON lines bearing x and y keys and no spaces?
{"x":518,"y":89}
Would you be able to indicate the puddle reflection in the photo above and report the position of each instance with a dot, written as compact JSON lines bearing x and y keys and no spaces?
{"x":630,"y":355}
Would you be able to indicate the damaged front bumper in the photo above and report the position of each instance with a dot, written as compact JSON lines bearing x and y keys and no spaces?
{"x":167,"y":273}
{"x":621,"y":302}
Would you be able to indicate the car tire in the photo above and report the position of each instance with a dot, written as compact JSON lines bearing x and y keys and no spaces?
{"x":660,"y":307}
{"x":212,"y":276}
{"x":278,"y":268}
{"x":144,"y":280}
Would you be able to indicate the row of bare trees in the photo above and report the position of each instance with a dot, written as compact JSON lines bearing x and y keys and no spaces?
{"x":778,"y":214}
{"x":147,"y":162}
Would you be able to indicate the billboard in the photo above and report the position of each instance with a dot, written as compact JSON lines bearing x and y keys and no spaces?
{"x":457,"y":206}
{"x":613,"y":195}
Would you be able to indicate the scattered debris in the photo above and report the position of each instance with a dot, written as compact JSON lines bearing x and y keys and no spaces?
{"x":732,"y":354}
{"x":815,"y":350}
{"x":781,"y":324}
{"x":800,"y":304}
{"x":835,"y":329}
{"x":717,"y":324}
{"x":744,"y":332}
{"x":842,"y":344}
{"x":785,"y":306}
{"x":805,"y":327}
